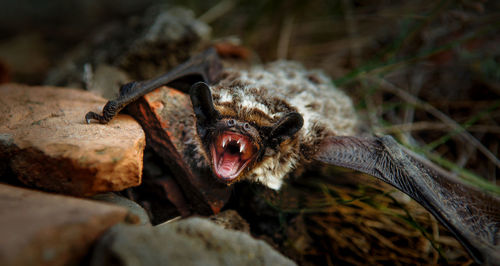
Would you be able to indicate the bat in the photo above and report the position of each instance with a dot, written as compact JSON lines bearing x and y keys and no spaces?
{"x":263,"y":123}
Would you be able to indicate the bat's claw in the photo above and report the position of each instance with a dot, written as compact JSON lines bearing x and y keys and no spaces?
{"x":91,"y":115}
{"x":108,"y":112}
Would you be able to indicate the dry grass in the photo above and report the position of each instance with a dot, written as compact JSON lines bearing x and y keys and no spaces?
{"x":331,"y":224}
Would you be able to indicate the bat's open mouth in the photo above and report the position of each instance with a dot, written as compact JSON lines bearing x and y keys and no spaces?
{"x":231,"y":153}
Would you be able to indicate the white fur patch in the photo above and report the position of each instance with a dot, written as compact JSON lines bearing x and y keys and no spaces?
{"x":250,"y":102}
{"x":225,"y":96}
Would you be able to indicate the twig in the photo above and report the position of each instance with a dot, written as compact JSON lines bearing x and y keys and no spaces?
{"x":384,"y":84}
{"x":217,"y":11}
{"x":284,"y":40}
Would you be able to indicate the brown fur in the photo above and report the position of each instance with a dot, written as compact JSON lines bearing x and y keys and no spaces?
{"x":263,"y":95}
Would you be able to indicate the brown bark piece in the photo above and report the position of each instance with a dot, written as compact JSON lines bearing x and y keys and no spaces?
{"x":166,"y":114}
{"x":47,"y":144}
{"x":39,"y":228}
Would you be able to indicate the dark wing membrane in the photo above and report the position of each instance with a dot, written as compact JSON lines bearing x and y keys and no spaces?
{"x":471,"y":215}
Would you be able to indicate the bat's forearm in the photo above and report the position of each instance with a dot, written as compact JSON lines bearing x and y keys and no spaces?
{"x":203,"y":67}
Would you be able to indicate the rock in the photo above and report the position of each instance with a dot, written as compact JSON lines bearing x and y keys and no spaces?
{"x":143,"y":47}
{"x":230,"y":219}
{"x":194,"y":241}
{"x":138,"y":212}
{"x":168,"y":38}
{"x":106,"y":80}
{"x":46,"y":143}
{"x":39,"y":228}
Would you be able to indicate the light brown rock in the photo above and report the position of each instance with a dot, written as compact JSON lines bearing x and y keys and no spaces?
{"x":38,"y":228}
{"x":47,"y":144}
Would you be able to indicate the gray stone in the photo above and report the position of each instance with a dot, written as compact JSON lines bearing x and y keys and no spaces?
{"x":105,"y":80}
{"x":194,"y":241}
{"x":131,"y":206}
{"x":38,"y":228}
{"x":230,"y":219}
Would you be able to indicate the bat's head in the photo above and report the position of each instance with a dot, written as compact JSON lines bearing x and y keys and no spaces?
{"x":235,"y":146}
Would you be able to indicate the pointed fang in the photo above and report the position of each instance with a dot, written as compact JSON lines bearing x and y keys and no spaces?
{"x":242,"y":147}
{"x":224,"y":142}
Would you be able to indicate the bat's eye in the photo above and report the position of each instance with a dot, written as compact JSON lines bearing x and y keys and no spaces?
{"x":231,"y":122}
{"x":246,"y":126}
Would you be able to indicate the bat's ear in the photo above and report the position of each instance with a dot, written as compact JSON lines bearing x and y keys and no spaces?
{"x":203,"y":106}
{"x":286,"y":127}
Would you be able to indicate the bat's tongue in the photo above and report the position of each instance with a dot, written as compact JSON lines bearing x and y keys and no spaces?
{"x":228,"y":164}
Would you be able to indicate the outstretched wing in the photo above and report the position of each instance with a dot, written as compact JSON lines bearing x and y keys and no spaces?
{"x":471,"y":215}
{"x":204,"y":67}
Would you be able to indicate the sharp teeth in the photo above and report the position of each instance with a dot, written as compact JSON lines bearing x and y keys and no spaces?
{"x":242,"y":147}
{"x":224,"y":142}
{"x":238,"y":141}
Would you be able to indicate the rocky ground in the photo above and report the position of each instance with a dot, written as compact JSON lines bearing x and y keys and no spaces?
{"x":72,"y":193}
{"x":46,"y":145}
